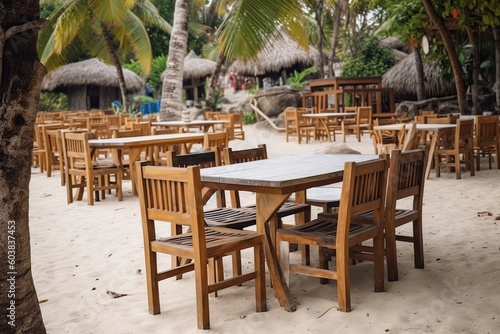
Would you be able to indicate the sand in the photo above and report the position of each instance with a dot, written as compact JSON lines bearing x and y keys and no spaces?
{"x":80,"y":253}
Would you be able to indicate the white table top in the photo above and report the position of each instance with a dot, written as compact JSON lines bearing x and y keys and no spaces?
{"x":330,"y":114}
{"x":174,"y":138}
{"x":201,"y":122}
{"x":285,"y":174}
{"x":420,"y":127}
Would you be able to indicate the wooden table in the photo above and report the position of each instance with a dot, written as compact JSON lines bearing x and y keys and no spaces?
{"x":136,"y":145}
{"x":205,"y":124}
{"x":273,"y":180}
{"x":432,"y":129}
{"x":326,"y":118}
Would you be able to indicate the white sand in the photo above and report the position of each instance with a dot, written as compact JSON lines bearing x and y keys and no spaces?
{"x":80,"y":252}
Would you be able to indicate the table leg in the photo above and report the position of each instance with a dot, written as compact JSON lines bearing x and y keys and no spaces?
{"x":267,"y":206}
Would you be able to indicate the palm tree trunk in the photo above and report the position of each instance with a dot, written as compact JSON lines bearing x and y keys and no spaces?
{"x":496,"y":36}
{"x":20,"y":84}
{"x":420,"y":74}
{"x":335,"y":41}
{"x":215,"y":78}
{"x":171,"y":94}
{"x":319,"y":24}
{"x":452,"y":55}
{"x":108,"y":40}
{"x":476,"y":63}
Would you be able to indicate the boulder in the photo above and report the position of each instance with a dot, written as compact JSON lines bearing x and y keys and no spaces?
{"x":340,"y":149}
{"x":274,"y":100}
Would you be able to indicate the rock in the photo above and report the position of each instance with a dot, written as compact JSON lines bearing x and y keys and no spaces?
{"x":274,"y":100}
{"x":340,"y":149}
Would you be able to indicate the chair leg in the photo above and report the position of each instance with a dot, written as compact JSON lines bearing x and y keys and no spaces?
{"x":378,"y":259}
{"x":458,"y":171}
{"x":418,"y":243}
{"x":343,"y":280}
{"x":152,"y":282}
{"x":390,"y":251}
{"x":284,"y":259}
{"x":202,"y":302}
{"x":323,"y":263}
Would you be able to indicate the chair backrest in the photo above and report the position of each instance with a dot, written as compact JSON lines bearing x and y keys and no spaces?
{"x":171,"y":195}
{"x":216,"y":139}
{"x":364,"y":115}
{"x":448,"y":119}
{"x":203,"y":159}
{"x":464,"y":137}
{"x":406,"y":177}
{"x":487,"y":131}
{"x":167,"y":131}
{"x":144,"y":126}
{"x":76,"y":149}
{"x":363,"y":190}
{"x":234,"y":157}
{"x":127,"y":133}
{"x":229,"y":124}
{"x":411,"y":138}
{"x":427,"y":112}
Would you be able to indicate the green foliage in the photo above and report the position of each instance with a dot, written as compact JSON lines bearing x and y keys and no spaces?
{"x":134,"y":66}
{"x":374,"y":60}
{"x":157,"y":68}
{"x":216,"y":98}
{"x":144,"y":99}
{"x":249,"y":117}
{"x":297,"y":79}
{"x":52,"y":101}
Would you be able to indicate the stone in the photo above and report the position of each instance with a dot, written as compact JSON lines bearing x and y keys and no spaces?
{"x":273,"y":101}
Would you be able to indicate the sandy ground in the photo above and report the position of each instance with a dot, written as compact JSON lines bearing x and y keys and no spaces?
{"x":80,"y":252}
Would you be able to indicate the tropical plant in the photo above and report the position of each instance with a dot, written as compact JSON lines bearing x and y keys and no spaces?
{"x":249,"y":117}
{"x":110,"y":30}
{"x":373,"y":60}
{"x":52,"y":101}
{"x":216,"y":99}
{"x":297,"y":79}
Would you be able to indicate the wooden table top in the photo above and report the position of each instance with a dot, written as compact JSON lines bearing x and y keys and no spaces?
{"x":329,"y":114}
{"x":281,"y":175}
{"x":200,"y":122}
{"x":420,"y":127}
{"x":174,"y":138}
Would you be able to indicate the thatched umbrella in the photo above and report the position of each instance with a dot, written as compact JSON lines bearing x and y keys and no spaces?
{"x":75,"y":79}
{"x":90,"y":72}
{"x":278,"y":55}
{"x":402,"y":77}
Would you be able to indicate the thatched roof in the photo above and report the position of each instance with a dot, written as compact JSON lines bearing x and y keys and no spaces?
{"x":278,"y":55}
{"x":90,"y":72}
{"x":402,"y":77}
{"x":196,"y":67}
{"x":393,"y":43}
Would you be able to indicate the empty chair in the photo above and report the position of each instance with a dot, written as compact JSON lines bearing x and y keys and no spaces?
{"x":363,"y":190}
{"x":362,"y":122}
{"x":455,"y":148}
{"x":216,"y":139}
{"x":296,"y":126}
{"x":384,"y":141}
{"x":174,"y":195}
{"x":487,"y":141}
{"x":83,"y":171}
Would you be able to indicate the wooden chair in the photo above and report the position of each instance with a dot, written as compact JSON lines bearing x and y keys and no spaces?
{"x":53,"y":150}
{"x":386,"y":141}
{"x":125,"y":152}
{"x":83,"y":171}
{"x":363,"y":121}
{"x":144,"y":126}
{"x":363,"y":190}
{"x":455,"y":147}
{"x":39,"y":149}
{"x":228,"y":125}
{"x":296,"y":126}
{"x":160,"y":152}
{"x":487,"y":139}
{"x":239,"y":133}
{"x":447,"y":119}
{"x":173,"y":195}
{"x":216,"y":139}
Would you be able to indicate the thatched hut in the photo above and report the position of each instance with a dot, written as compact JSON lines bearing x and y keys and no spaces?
{"x":90,"y":84}
{"x":196,"y":72}
{"x":278,"y":59}
{"x":402,"y":77}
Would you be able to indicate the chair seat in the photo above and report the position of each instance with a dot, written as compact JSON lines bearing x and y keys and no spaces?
{"x":323,"y":232}
{"x":230,"y":218}
{"x":216,"y":237}
{"x":287,"y":209}
{"x":325,"y":197}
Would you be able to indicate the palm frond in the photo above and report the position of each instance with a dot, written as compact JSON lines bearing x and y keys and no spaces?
{"x":69,"y":24}
{"x":138,"y":40}
{"x":111,"y":12}
{"x":149,"y":14}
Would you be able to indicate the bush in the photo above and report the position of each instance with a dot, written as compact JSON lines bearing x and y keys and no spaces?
{"x":374,"y":60}
{"x":52,"y":101}
{"x":249,"y":118}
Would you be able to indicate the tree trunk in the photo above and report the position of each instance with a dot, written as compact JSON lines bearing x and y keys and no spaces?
{"x":496,"y":36}
{"x":455,"y":63}
{"x":20,"y":83}
{"x":476,"y":65}
{"x":420,"y":74}
{"x":214,"y":81}
{"x":171,"y":94}
{"x":108,"y":40}
{"x":319,"y":25}
{"x":335,"y":41}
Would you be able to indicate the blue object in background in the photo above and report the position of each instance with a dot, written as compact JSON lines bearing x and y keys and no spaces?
{"x":150,"y":108}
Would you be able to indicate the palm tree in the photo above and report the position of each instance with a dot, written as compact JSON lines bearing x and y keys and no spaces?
{"x":244,"y":32}
{"x":109,"y":30}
